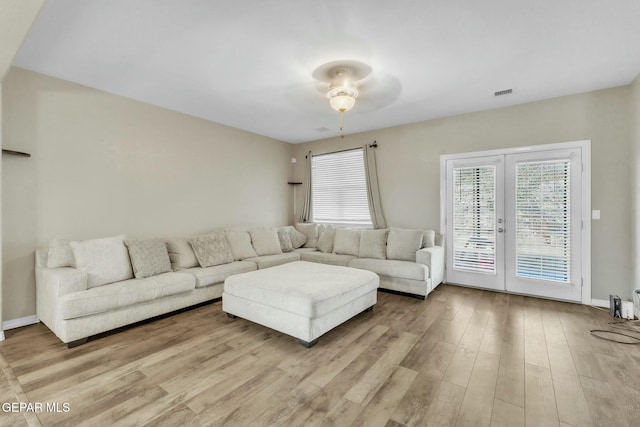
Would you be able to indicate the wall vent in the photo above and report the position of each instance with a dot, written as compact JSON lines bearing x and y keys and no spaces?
{"x":322,"y":129}
{"x":503,"y":92}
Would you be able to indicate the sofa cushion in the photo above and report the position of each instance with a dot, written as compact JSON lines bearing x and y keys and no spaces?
{"x":286,"y":245}
{"x":60,"y":254}
{"x":373,"y":244}
{"x":298,"y":239}
{"x":240,"y":244}
{"x":181,"y":253}
{"x":211,"y":249}
{"x":218,"y":273}
{"x":392,"y":268}
{"x":403,"y":244}
{"x":265,"y":241}
{"x":347,"y":241}
{"x":105,"y":260}
{"x":311,"y":231}
{"x":267,"y":261}
{"x":325,"y":241}
{"x":324,"y":258}
{"x":148,"y":257}
{"x":123,"y":294}
{"x":428,"y":238}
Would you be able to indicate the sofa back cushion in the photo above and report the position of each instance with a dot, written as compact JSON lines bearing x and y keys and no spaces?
{"x":346,"y":241}
{"x":211,"y":249}
{"x":325,"y":241}
{"x":148,"y":257}
{"x":181,"y":253}
{"x":373,"y":244}
{"x":240,"y":244}
{"x":265,"y":241}
{"x":403,"y":244}
{"x":104,"y":260}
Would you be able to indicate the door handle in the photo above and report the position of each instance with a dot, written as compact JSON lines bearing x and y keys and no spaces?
{"x":500,"y":230}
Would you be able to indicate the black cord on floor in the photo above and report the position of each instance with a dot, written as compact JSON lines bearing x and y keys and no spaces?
{"x":625,"y":325}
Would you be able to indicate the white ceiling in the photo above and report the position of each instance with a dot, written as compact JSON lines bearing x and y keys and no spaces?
{"x":249,"y":63}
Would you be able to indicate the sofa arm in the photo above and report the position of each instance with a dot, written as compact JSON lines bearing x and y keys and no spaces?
{"x":432,"y":257}
{"x":61,"y":281}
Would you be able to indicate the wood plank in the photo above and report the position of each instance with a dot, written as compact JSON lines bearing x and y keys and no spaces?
{"x":540,"y":401}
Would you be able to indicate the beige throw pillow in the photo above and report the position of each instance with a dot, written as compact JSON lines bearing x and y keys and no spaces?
{"x":373,"y":244}
{"x":311,"y":231}
{"x":428,"y":238}
{"x":403,"y":244}
{"x":298,"y":239}
{"x":265,"y":241}
{"x":325,"y":241}
{"x":240,"y":245}
{"x":148,"y":257}
{"x":286,"y":245}
{"x":60,"y":254}
{"x":346,"y":241}
{"x":104,"y":260}
{"x":181,"y":253}
{"x":211,"y":249}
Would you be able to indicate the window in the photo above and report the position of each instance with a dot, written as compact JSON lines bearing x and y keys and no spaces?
{"x":339,"y":188}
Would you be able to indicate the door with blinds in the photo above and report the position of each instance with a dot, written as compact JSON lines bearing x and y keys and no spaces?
{"x":513,"y":223}
{"x":475,"y":193}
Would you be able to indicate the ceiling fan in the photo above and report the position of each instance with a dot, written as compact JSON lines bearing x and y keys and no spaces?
{"x":343,"y":78}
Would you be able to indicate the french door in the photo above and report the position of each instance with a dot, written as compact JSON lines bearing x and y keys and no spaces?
{"x":514,"y":222}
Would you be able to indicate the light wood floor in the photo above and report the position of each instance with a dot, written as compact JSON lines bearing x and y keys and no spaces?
{"x":463,"y":357}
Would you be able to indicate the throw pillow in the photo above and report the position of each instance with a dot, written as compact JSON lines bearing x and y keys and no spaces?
{"x":211,"y":249}
{"x":325,"y":241}
{"x":265,"y":241}
{"x":286,"y":245}
{"x":104,"y":260}
{"x":148,"y":257}
{"x":181,"y":253}
{"x":240,"y":244}
{"x":373,"y":244}
{"x":428,"y":239}
{"x":403,"y":244}
{"x":311,"y":231}
{"x":298,"y":239}
{"x":60,"y":254}
{"x":346,"y":241}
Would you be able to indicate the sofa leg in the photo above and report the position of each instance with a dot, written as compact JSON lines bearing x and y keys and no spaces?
{"x":231,"y":316}
{"x":76,"y":343}
{"x":308,"y":344}
{"x":370,"y":308}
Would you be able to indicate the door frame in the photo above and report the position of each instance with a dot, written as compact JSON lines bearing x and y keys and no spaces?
{"x":585,"y":147}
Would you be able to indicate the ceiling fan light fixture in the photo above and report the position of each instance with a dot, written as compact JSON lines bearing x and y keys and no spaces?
{"x":342,"y":98}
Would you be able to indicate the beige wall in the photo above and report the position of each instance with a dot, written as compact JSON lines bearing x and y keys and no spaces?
{"x":409,"y":165}
{"x":104,"y":165}
{"x":16,"y":18}
{"x":635,"y":177}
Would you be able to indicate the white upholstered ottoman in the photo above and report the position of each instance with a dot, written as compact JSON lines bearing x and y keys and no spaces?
{"x":301,"y":299}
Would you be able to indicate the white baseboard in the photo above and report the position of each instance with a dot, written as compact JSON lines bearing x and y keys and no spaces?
{"x":1,"y":335}
{"x":18,"y":323}
{"x":600,"y":303}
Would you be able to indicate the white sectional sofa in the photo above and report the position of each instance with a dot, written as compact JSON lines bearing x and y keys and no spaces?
{"x":86,"y":288}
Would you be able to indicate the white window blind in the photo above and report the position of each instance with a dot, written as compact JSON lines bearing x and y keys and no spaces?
{"x":543,"y":220}
{"x":474,"y":219}
{"x":339,"y":188}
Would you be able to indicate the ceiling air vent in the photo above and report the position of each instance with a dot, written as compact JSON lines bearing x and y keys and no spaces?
{"x":322,"y":129}
{"x":503,"y":92}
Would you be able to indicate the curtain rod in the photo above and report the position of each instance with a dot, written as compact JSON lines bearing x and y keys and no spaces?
{"x":374,"y":144}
